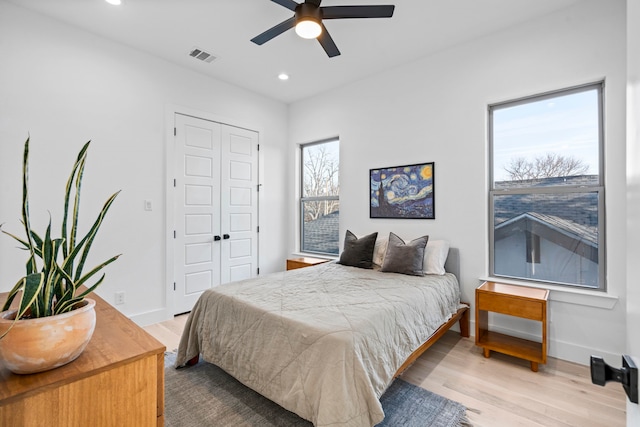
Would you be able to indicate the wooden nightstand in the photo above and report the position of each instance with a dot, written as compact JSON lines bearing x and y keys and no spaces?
{"x":293,"y":263}
{"x":518,"y":301}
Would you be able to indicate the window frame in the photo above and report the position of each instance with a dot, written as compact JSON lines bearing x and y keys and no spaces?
{"x":302,"y":199}
{"x":599,"y":189}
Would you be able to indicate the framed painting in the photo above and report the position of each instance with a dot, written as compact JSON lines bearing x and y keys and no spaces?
{"x":402,"y":192}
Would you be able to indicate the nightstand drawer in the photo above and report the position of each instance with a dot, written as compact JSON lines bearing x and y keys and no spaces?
{"x":506,"y":304}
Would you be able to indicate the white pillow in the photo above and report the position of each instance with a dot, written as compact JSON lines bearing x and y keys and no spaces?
{"x":435,"y":255}
{"x":379,"y":250}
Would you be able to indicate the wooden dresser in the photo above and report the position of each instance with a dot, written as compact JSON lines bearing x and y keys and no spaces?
{"x":118,"y":381}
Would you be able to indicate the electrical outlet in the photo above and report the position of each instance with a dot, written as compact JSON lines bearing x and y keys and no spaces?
{"x":119,"y":298}
{"x":148,"y":205}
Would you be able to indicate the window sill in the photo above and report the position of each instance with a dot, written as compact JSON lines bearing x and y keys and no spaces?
{"x":567,"y":295}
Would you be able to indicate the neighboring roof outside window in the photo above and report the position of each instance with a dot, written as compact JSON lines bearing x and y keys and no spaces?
{"x":321,"y":234}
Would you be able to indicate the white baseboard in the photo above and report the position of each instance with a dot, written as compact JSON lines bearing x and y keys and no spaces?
{"x":150,"y":317}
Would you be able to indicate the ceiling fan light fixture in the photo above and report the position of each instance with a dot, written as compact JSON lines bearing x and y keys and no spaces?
{"x":308,"y":18}
{"x":308,"y":29}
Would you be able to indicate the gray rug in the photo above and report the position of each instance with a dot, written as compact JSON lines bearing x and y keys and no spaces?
{"x":204,"y":395}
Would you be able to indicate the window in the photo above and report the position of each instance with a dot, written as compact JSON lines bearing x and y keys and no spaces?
{"x":547,"y":188}
{"x":319,"y":199}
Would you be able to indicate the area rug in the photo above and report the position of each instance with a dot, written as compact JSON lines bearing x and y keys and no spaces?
{"x":204,"y":395}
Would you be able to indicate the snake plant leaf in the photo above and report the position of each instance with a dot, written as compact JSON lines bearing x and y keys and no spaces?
{"x":48,"y":259}
{"x":92,"y":288}
{"x":12,"y":294}
{"x":31,"y":286}
{"x":68,"y":305}
{"x":95,"y":270}
{"x":37,"y":242}
{"x":67,"y":196}
{"x":67,"y":288}
{"x":18,"y":239}
{"x":64,"y":282}
{"x":76,"y":204}
{"x":88,"y":239}
{"x":25,"y":201}
{"x":53,"y":279}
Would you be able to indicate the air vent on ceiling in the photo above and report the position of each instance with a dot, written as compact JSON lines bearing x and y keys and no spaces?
{"x":201,"y":55}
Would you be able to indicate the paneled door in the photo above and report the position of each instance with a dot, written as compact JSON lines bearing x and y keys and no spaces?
{"x":215,"y":207}
{"x":239,"y":203}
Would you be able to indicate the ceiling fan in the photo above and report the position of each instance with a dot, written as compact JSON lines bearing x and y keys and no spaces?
{"x":308,"y":21}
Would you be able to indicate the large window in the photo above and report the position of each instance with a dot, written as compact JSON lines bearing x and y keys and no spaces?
{"x":547,"y":188}
{"x":319,"y":199}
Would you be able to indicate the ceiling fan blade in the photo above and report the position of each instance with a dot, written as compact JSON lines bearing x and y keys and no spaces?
{"x":289,"y":4}
{"x":342,"y":12}
{"x":327,"y":43}
{"x":274,"y":31}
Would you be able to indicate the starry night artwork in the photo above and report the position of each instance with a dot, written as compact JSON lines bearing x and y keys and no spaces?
{"x":402,"y":192}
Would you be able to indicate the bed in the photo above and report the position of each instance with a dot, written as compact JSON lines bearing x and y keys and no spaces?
{"x":325,"y":341}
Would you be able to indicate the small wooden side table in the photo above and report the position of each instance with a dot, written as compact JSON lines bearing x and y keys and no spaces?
{"x":518,"y":301}
{"x":293,"y":263}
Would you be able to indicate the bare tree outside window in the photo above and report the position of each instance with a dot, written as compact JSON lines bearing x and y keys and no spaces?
{"x":321,"y":169}
{"x":549,"y":165}
{"x":319,"y":203}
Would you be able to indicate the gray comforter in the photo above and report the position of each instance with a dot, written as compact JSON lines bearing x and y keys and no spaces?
{"x":324,"y":341}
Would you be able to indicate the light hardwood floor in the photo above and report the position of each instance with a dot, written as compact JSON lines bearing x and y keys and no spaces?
{"x":499,"y":391}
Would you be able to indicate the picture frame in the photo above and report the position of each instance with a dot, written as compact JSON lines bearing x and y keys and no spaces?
{"x":406,"y":192}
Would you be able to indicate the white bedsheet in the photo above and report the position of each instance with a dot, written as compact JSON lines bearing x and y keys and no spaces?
{"x":323,"y":341}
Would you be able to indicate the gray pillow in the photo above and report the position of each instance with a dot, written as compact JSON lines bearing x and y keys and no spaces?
{"x":405,"y":258}
{"x":358,"y":252}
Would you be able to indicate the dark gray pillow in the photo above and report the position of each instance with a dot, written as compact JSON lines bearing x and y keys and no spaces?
{"x":358,"y":252}
{"x":405,"y":258}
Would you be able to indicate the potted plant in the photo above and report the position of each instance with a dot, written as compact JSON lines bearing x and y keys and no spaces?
{"x":52,"y":321}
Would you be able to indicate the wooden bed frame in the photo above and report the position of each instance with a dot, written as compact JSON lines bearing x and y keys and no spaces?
{"x":461,"y":316}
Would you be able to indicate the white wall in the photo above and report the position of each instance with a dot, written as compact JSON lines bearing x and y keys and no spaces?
{"x":435,"y":110}
{"x":633,"y":194}
{"x":64,"y":86}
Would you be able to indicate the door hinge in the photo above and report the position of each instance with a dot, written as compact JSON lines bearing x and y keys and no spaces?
{"x":258,"y":147}
{"x":258,"y":270}
{"x":174,"y":234}
{"x":174,"y":182}
{"x":175,"y":132}
{"x":257,"y":229}
{"x":174,"y":286}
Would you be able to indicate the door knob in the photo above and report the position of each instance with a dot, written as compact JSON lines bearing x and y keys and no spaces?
{"x":216,"y":238}
{"x":225,"y":236}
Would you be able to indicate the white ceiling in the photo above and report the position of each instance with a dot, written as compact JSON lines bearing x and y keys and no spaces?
{"x":171,"y":28}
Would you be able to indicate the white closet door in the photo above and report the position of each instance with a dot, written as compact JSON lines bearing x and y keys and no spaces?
{"x":215,"y":207}
{"x":239,"y":203}
{"x":197,"y":209}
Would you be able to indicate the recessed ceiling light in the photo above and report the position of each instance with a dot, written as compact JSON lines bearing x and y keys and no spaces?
{"x":283,"y":76}
{"x":114,"y":2}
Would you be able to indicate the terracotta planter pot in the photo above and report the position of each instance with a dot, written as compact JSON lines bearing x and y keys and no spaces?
{"x":36,"y":345}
